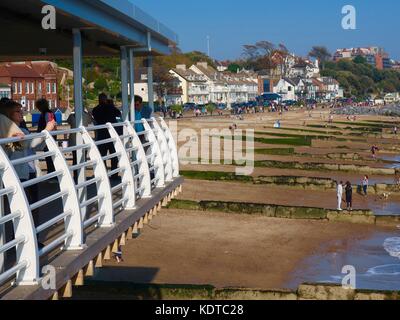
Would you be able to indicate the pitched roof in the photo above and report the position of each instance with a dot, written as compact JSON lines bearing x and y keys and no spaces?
{"x":43,"y":67}
{"x":207,"y":70}
{"x":329,"y":80}
{"x":18,"y":71}
{"x":293,"y":83}
{"x":189,"y":75}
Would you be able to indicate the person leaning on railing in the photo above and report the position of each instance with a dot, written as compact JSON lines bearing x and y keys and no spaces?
{"x":8,"y":129}
{"x":46,"y":116}
{"x":13,"y":111}
{"x":104,"y":113}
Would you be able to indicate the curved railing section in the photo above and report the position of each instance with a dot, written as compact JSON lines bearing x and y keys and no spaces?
{"x":173,"y":149}
{"x":117,"y":166}
{"x":164,"y":148}
{"x":154,"y":156}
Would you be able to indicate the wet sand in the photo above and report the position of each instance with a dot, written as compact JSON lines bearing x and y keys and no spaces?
{"x":184,"y":247}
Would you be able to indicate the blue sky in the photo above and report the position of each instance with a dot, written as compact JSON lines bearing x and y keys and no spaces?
{"x":297,"y":24}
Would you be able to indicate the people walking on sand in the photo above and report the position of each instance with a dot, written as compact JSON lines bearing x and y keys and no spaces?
{"x":339,"y":192}
{"x":349,"y":196}
{"x":365,"y":185}
{"x":374,"y":150}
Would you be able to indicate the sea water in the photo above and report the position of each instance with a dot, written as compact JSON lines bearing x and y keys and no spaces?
{"x":376,"y":260}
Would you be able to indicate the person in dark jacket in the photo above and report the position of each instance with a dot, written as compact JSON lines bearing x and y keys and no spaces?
{"x":349,"y":196}
{"x":104,"y":113}
{"x":46,"y":116}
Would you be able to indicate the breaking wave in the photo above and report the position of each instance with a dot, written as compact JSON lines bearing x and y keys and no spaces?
{"x":385,"y":270}
{"x":392,"y":246}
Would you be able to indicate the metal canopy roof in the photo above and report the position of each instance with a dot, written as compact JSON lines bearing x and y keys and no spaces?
{"x":106,"y":26}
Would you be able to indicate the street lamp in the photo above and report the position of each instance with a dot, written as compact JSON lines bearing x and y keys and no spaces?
{"x":228,"y":99}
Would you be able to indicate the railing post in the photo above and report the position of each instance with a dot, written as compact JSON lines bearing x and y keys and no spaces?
{"x":127,"y":175}
{"x":172,"y":147}
{"x":141,"y":157}
{"x":74,"y":221}
{"x":24,"y":226}
{"x":154,"y":150}
{"x":165,"y":151}
{"x":104,"y":185}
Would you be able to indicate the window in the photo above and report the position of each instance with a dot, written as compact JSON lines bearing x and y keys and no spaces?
{"x":27,"y":87}
{"x":50,"y":103}
{"x":15,"y":87}
{"x":48,"y":85}
{"x":40,"y":87}
{"x":20,"y":87}
{"x":54,"y":88}
{"x":29,"y":105}
{"x":32,"y":87}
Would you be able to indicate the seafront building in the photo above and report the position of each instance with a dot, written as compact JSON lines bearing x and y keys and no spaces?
{"x":375,"y":56}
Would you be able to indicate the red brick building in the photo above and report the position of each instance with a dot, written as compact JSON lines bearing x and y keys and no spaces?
{"x":31,"y":81}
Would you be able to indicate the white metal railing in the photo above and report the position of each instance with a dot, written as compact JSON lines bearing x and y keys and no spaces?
{"x":145,"y":161}
{"x":153,"y":155}
{"x":164,"y":148}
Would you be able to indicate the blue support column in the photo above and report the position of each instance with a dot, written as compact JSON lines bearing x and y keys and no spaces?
{"x":77,"y":57}
{"x":150,"y":83}
{"x":132,"y":83}
{"x":78,"y":103}
{"x":124,"y":83}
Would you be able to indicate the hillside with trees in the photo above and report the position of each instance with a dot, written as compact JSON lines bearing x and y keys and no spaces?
{"x":360,"y":79}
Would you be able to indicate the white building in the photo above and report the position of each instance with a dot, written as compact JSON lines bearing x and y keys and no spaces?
{"x":305,"y":69}
{"x":141,"y":87}
{"x":332,"y":88}
{"x":195,"y":88}
{"x":5,"y":91}
{"x":226,"y":87}
{"x":286,"y":88}
{"x":215,"y":81}
{"x":392,"y":98}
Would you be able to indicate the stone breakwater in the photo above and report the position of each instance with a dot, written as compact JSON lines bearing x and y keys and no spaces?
{"x":287,"y":212}
{"x":391,"y":111}
{"x":308,"y":291}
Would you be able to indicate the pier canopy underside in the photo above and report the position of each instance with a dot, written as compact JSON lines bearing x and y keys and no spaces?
{"x":105,"y":25}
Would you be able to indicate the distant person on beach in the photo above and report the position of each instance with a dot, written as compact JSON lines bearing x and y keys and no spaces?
{"x":374,"y":150}
{"x":365,"y":185}
{"x":349,"y":196}
{"x":339,"y":192}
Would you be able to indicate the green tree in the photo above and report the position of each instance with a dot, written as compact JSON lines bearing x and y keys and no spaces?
{"x":233,"y":67}
{"x":360,"y":60}
{"x":321,"y":53}
{"x":211,"y":108}
{"x":101,"y":85}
